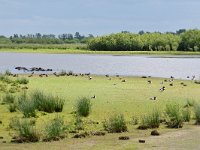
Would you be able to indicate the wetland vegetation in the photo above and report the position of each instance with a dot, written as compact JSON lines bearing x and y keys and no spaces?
{"x":86,"y":106}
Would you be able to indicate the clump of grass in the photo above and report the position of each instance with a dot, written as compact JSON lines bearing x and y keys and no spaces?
{"x":134,"y":120}
{"x":190,"y":103}
{"x":59,"y":103}
{"x":47,"y":103}
{"x":26,"y":106}
{"x":3,"y":87}
{"x":115,"y":124}
{"x":55,"y":129}
{"x":25,"y":130}
{"x":186,"y":115}
{"x":173,"y":112}
{"x":8,"y":98}
{"x":5,"y":78}
{"x":83,"y":107}
{"x":151,"y":120}
{"x":197,"y":113}
{"x":12,"y":107}
{"x":22,"y":80}
{"x":78,"y":123}
{"x":13,"y":90}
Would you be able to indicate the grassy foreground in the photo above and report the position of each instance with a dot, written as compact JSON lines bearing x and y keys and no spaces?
{"x":131,"y":98}
{"x":83,"y":51}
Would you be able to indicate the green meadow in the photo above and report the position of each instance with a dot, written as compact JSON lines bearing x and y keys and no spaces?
{"x":132,"y":98}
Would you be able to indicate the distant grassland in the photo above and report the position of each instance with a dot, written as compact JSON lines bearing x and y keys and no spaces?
{"x":86,"y":51}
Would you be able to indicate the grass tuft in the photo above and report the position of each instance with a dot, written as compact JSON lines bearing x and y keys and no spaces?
{"x":115,"y":124}
{"x":22,"y":80}
{"x":55,"y":129}
{"x":197,"y":113}
{"x":83,"y":107}
{"x":173,"y":112}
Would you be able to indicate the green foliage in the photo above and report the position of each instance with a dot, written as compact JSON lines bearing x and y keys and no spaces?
{"x":115,"y":124}
{"x":55,"y":128}
{"x":26,"y":131}
{"x":12,"y":107}
{"x":197,"y":113}
{"x":47,"y":103}
{"x":174,"y":113}
{"x":83,"y":106}
{"x":190,"y":40}
{"x":151,"y":120}
{"x":78,"y":123}
{"x":5,"y":78}
{"x":186,"y":115}
{"x":135,"y":42}
{"x":8,"y":98}
{"x":22,"y":80}
{"x":26,"y":106}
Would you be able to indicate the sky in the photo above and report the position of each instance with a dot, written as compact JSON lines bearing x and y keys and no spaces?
{"x":97,"y":17}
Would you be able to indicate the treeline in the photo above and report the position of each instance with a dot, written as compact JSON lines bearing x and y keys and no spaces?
{"x":182,"y":40}
{"x":39,"y":38}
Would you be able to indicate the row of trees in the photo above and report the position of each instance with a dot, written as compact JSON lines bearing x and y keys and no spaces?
{"x":39,"y":38}
{"x":185,"y":41}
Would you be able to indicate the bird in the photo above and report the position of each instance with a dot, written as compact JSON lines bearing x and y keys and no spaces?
{"x":149,"y":81}
{"x":153,"y":98}
{"x":162,"y":88}
{"x":93,"y":97}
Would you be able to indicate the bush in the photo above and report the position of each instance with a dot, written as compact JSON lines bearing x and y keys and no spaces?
{"x":22,"y":80}
{"x":115,"y":124}
{"x":174,"y":114}
{"x":186,"y":115}
{"x":83,"y":106}
{"x":8,"y":98}
{"x":190,"y":103}
{"x":78,"y":123}
{"x":26,"y":106}
{"x":26,"y":131}
{"x":152,"y":120}
{"x":197,"y":113}
{"x":5,"y":78}
{"x":55,"y":129}
{"x":12,"y":107}
{"x":47,"y":103}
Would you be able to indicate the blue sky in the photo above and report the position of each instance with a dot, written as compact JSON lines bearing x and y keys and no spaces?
{"x":97,"y":17}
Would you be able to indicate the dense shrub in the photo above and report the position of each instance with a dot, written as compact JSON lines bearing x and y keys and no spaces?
{"x":197,"y":113}
{"x":151,"y":120}
{"x":55,"y":129}
{"x":26,"y":106}
{"x":135,"y":42}
{"x":186,"y":115}
{"x":22,"y":80}
{"x":12,"y":107}
{"x":47,"y":103}
{"x":83,"y":106}
{"x":174,"y":113}
{"x":115,"y":124}
{"x":25,"y":130}
{"x":8,"y":98}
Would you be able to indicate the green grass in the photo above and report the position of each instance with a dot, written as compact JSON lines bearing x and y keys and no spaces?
{"x":112,"y":97}
{"x":85,"y":51}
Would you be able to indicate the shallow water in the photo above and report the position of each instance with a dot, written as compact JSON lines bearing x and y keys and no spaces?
{"x":179,"y":67}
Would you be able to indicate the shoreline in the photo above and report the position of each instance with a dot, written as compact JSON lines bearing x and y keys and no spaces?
{"x":114,"y":53}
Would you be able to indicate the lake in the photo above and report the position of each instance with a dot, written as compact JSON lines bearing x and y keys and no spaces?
{"x":140,"y":65}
